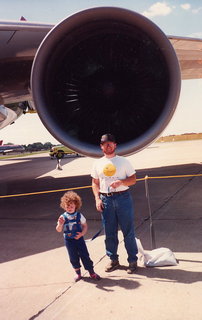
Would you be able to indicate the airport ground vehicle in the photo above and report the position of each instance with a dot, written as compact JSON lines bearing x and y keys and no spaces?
{"x":60,"y":151}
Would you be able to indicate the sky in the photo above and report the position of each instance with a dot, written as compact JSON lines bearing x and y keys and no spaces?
{"x":176,"y":17}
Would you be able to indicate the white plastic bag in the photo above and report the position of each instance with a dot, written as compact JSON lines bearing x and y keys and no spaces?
{"x":160,"y":257}
{"x":141,"y":253}
{"x":155,"y":258}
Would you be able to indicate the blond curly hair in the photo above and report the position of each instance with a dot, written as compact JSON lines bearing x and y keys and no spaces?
{"x":68,"y":197}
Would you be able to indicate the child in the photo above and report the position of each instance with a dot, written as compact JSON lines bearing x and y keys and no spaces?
{"x":74,"y":227}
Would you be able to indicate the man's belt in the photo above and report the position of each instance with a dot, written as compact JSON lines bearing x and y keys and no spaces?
{"x":110,"y":194}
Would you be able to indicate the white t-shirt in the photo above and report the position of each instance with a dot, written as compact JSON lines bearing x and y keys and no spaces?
{"x":72,"y":217}
{"x":108,"y":170}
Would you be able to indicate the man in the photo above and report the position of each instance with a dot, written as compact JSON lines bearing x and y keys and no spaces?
{"x":111,"y":177}
{"x":59,"y":157}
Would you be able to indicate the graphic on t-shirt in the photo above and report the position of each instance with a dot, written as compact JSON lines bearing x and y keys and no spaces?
{"x":109,"y":170}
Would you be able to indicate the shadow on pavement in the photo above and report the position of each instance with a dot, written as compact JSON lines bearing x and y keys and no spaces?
{"x":110,"y":284}
{"x":165,"y":274}
{"x":28,"y":223}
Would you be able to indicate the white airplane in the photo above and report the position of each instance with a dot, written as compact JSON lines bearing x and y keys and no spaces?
{"x":100,"y":70}
{"x":9,"y":148}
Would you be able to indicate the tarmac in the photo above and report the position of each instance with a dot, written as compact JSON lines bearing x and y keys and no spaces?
{"x":41,"y":285}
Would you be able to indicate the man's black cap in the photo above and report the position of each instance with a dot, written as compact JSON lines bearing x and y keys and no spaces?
{"x":107,"y":137}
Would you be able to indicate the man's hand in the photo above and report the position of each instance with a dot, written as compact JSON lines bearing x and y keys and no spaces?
{"x":129,"y":181}
{"x":99,"y":204}
{"x":116,"y":184}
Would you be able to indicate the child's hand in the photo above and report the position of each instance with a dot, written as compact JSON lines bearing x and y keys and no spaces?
{"x":61,"y":220}
{"x":78,"y":235}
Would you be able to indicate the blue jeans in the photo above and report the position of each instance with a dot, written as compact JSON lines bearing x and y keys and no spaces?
{"x":119,"y":211}
{"x":77,"y":250}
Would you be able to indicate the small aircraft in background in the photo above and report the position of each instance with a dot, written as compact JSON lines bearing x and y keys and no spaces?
{"x":7,"y":148}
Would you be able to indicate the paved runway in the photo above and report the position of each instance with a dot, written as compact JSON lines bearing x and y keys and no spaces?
{"x":36,"y":278}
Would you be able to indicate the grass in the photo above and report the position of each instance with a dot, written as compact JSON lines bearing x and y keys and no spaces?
{"x":19,"y":155}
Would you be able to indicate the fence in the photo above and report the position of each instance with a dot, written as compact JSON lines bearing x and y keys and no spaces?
{"x":147,"y":194}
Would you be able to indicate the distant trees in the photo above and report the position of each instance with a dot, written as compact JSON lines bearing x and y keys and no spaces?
{"x":38,"y":146}
{"x":47,"y":145}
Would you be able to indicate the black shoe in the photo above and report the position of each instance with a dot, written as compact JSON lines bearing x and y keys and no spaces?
{"x":132,"y":267}
{"x":113,"y":265}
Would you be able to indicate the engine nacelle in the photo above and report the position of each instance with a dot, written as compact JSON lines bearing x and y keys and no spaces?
{"x":105,"y":70}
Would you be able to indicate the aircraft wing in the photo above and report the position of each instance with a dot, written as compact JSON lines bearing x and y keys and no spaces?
{"x":19,"y":42}
{"x":189,"y":54}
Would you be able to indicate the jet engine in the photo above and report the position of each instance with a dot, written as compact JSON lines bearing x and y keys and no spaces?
{"x":105,"y":70}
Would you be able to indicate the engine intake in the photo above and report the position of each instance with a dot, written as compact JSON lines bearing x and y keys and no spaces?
{"x":105,"y":70}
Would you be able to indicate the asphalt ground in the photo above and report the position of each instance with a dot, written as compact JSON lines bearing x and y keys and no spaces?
{"x":36,"y":277}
